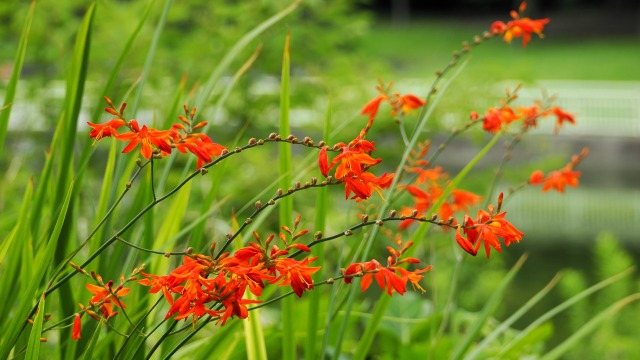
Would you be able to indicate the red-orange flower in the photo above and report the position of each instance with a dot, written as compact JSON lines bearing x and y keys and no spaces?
{"x":294,"y":273}
{"x":386,"y":277}
{"x":562,"y":116}
{"x":495,"y":118}
{"x":519,"y":27}
{"x":107,"y":129}
{"x":76,"y":331}
{"x":557,"y":180}
{"x":406,"y":103}
{"x":487,"y":228}
{"x":146,"y":138}
{"x":105,"y":297}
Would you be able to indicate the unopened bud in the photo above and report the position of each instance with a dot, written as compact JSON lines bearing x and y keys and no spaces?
{"x":379,"y":222}
{"x":322,"y":143}
{"x":392,"y":213}
{"x":317,"y":235}
{"x":414,"y":213}
{"x":297,"y":185}
{"x":167,"y":254}
{"x":189,"y":250}
{"x":348,"y":233}
{"x":365,"y":218}
{"x":279,"y":192}
{"x":258,"y":204}
{"x":252,"y":141}
{"x":260,"y":142}
{"x":204,"y":171}
{"x":314,"y":180}
{"x":433,"y":217}
{"x":272,"y":136}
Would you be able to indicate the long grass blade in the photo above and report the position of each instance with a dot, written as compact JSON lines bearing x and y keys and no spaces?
{"x":286,"y":204}
{"x":565,"y":305}
{"x":33,"y":348}
{"x":15,"y":76}
{"x":91,"y":347}
{"x":590,"y":326}
{"x":513,"y":318}
{"x":489,"y":308}
{"x":322,"y":201}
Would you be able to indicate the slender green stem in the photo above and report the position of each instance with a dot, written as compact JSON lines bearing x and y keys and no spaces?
{"x":272,"y":202}
{"x":165,"y":253}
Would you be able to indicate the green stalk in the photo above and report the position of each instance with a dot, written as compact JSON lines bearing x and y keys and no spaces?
{"x":5,"y":113}
{"x":286,"y":204}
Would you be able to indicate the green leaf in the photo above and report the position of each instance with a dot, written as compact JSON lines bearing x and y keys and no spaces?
{"x":33,"y":349}
{"x":286,"y":204}
{"x":91,"y":347}
{"x":15,"y":76}
{"x":322,"y":201}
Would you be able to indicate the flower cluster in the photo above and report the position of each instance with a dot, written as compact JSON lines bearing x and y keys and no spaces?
{"x":486,"y":228}
{"x":389,"y":278}
{"x":558,"y":179}
{"x":158,"y":142}
{"x":519,"y":26}
{"x":217,"y":287}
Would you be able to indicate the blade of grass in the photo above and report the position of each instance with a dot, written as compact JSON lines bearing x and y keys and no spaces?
{"x":286,"y":204}
{"x":91,"y":347}
{"x":487,"y":310}
{"x":150,"y":54}
{"x":590,"y":326}
{"x":513,"y":318}
{"x":556,"y":310}
{"x":33,"y":349}
{"x":322,"y":201}
{"x":43,"y":260}
{"x":73,"y":101}
{"x":10,"y":93}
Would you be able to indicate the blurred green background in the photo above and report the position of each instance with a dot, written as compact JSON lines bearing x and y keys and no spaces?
{"x":590,"y":58}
